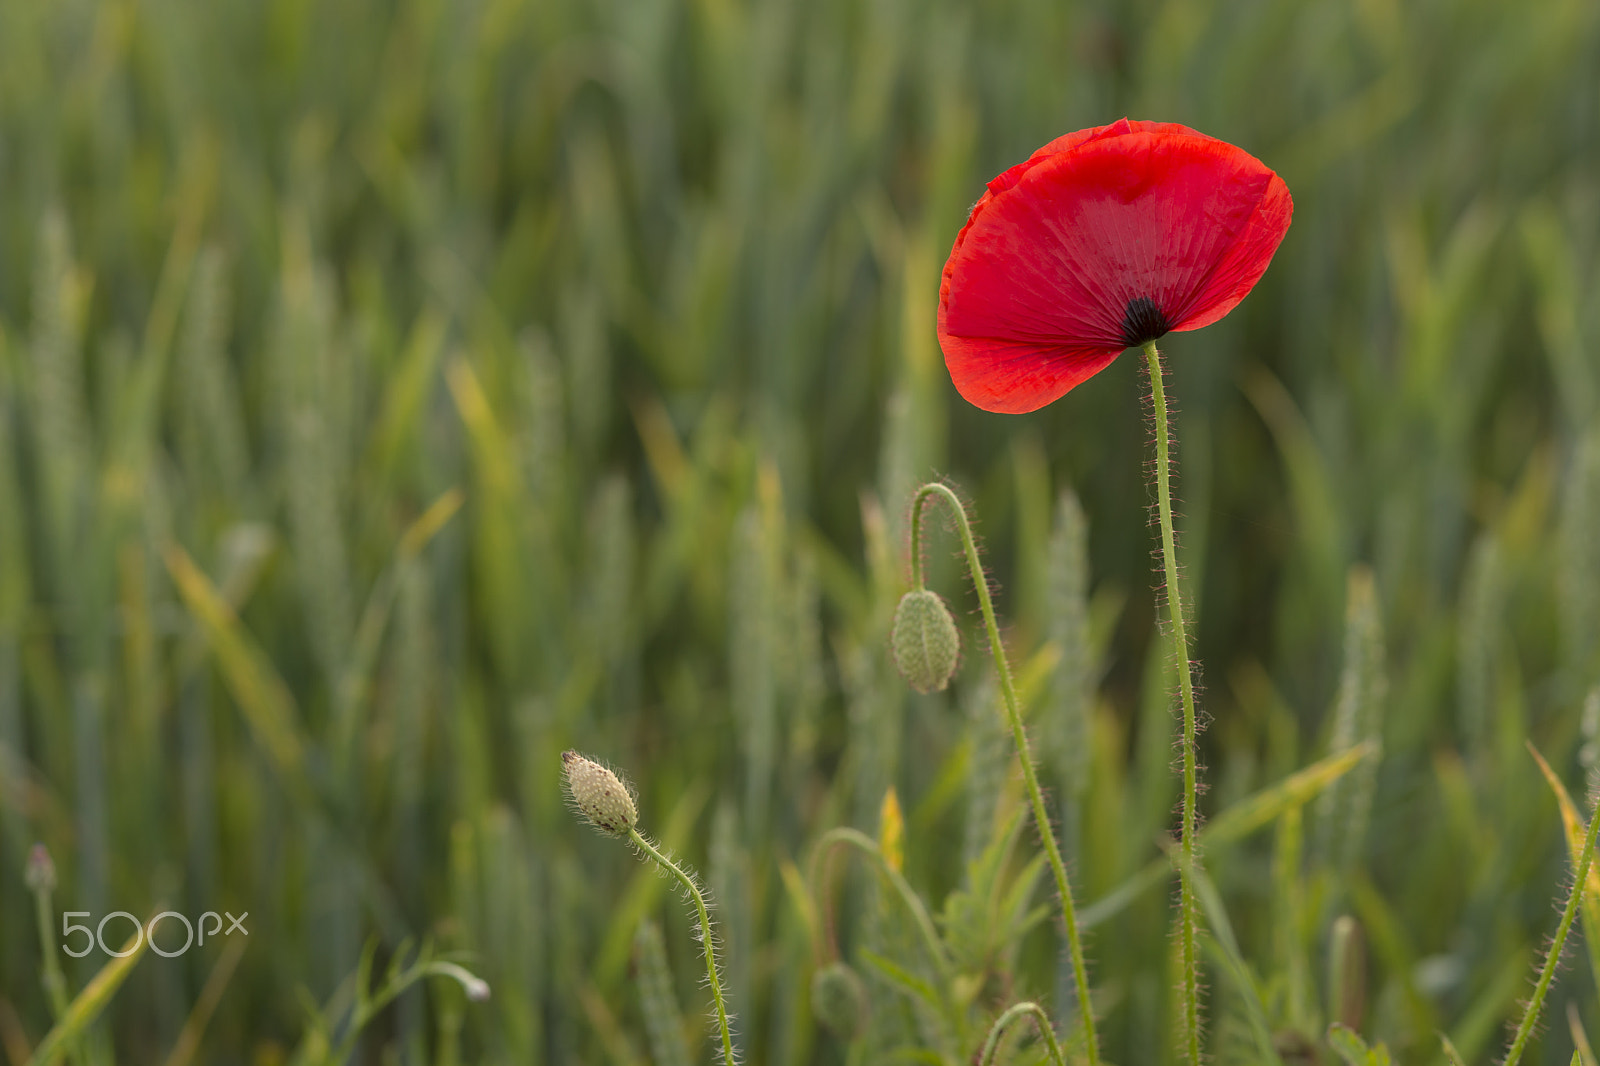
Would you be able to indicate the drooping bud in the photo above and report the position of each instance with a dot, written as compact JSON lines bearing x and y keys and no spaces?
{"x":40,"y":873}
{"x":839,"y":1000}
{"x":476,"y":988}
{"x":599,"y":795}
{"x":925,"y":642}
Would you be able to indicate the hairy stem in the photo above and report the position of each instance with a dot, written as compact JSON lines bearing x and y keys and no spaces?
{"x":1030,"y":777}
{"x":1579,"y":885}
{"x":690,"y":886}
{"x":1040,"y":1019}
{"x":1180,"y":648}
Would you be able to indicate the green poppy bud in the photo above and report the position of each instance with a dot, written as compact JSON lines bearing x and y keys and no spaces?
{"x":925,"y":642}
{"x":839,"y":1000}
{"x":599,"y":795}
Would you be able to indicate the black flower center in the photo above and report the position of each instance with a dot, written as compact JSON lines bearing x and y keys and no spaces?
{"x":1142,"y":322}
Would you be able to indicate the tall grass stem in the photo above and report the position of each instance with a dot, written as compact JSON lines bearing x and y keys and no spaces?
{"x":1030,"y":777}
{"x":657,"y":1005}
{"x":1180,"y":647}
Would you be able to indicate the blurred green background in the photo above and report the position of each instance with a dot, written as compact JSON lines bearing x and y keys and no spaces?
{"x":393,"y":395}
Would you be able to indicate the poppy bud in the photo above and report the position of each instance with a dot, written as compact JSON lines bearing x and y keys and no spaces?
{"x":40,"y":873}
{"x":925,"y":642}
{"x":839,"y":1000}
{"x":599,"y":795}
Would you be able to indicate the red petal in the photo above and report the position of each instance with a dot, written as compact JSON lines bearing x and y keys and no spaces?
{"x":1040,"y":278}
{"x":1014,"y":377}
{"x":1244,"y":261}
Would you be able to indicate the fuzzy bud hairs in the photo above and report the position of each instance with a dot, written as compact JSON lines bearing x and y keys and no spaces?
{"x":599,"y":795}
{"x":925,"y":641}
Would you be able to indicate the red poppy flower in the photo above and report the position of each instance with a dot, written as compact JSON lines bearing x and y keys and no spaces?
{"x":1104,"y":239}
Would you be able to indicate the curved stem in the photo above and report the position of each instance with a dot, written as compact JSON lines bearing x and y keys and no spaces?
{"x":1040,"y":1019}
{"x":1030,"y":778}
{"x":916,"y":536}
{"x":1180,"y":646}
{"x":643,"y":843}
{"x":866,"y":845}
{"x":1579,"y":886}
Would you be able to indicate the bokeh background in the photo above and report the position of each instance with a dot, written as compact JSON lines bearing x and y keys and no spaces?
{"x":395,"y":394}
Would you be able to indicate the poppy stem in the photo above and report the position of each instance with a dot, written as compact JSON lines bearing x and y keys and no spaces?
{"x":1180,"y":645}
{"x":1580,"y":879}
{"x":1030,"y":778}
{"x":707,"y":939}
{"x":1040,"y":1019}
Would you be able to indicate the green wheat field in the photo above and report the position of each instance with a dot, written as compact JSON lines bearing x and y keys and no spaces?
{"x":395,"y":395}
